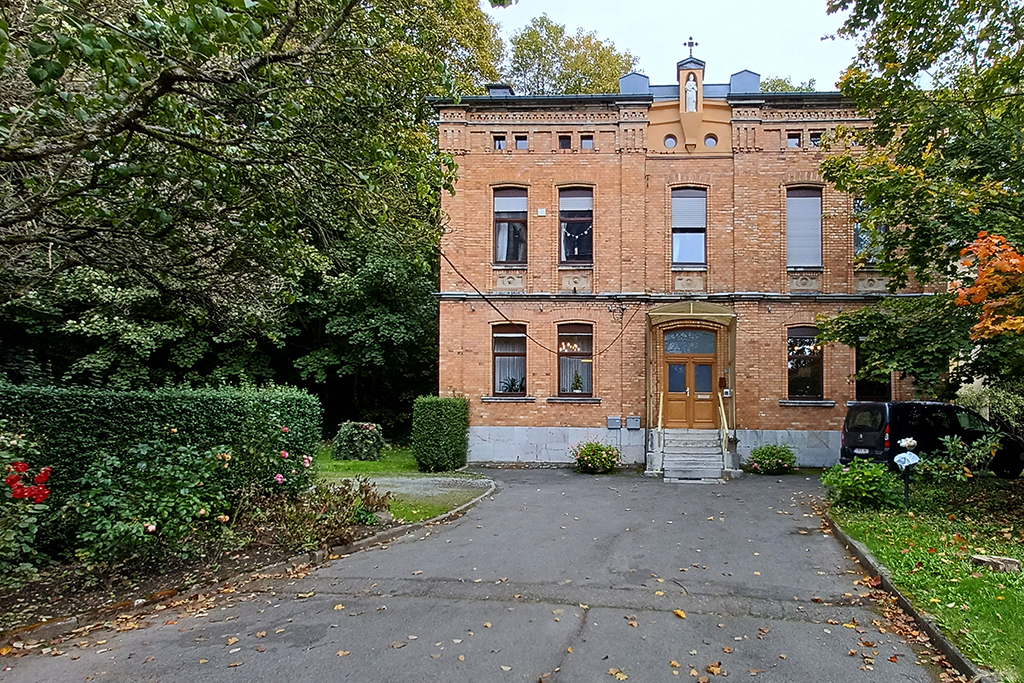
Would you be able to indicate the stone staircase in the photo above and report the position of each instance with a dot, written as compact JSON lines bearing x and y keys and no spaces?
{"x":691,"y":454}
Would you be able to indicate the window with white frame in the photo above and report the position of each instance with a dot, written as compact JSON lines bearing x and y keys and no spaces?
{"x":510,"y":207}
{"x":509,"y":344}
{"x":803,"y":227}
{"x":576,"y":216}
{"x":575,"y":360}
{"x":689,"y":225}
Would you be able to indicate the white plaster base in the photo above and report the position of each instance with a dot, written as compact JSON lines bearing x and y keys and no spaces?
{"x":549,"y":444}
{"x":813,"y":448}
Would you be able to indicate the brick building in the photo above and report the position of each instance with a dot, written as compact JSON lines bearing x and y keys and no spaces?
{"x":645,"y":268}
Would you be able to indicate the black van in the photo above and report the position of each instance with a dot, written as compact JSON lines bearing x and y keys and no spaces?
{"x":873,"y":431}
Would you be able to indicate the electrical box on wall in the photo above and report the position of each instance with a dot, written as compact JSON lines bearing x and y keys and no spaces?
{"x":633,"y":422}
{"x":726,"y":393}
{"x":614,"y":422}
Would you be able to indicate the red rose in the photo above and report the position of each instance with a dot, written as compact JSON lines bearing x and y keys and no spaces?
{"x":284,"y":429}
{"x":20,"y":467}
{"x":12,"y":479}
{"x":43,"y":476}
{"x":19,"y":492}
{"x":40,"y":495}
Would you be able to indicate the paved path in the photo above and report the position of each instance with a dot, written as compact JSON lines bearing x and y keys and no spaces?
{"x":499,"y":595}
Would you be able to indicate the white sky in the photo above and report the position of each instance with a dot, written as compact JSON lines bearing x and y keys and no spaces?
{"x":781,"y":38}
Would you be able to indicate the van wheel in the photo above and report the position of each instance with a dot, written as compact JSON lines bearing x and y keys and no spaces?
{"x":1005,"y":470}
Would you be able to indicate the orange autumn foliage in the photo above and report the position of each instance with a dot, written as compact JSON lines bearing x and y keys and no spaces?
{"x":998,"y":286}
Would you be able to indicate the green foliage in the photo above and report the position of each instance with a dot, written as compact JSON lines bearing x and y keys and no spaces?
{"x":323,"y":516}
{"x":440,"y":427}
{"x":358,"y":441}
{"x":771,"y":459}
{"x":780,"y":84}
{"x":1003,"y":402}
{"x":162,"y":499}
{"x":74,"y":425}
{"x":593,"y":457}
{"x":19,"y":518}
{"x":862,"y":484}
{"x":957,"y":461}
{"x":546,"y":60}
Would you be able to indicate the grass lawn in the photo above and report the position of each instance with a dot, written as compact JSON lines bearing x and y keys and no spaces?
{"x":928,"y":550}
{"x":395,"y":460}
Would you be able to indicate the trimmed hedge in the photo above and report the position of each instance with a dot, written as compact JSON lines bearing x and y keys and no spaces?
{"x":74,"y":424}
{"x":358,"y":441}
{"x":439,"y":432}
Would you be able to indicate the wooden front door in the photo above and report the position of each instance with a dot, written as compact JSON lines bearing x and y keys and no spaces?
{"x":688,"y":380}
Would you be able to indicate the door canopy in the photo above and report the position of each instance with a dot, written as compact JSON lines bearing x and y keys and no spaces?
{"x":691,"y":310}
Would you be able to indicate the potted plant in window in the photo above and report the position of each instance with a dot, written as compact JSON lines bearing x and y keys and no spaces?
{"x":577,"y":383}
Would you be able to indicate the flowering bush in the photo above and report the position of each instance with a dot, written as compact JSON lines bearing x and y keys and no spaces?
{"x":21,"y":506}
{"x":957,"y":461}
{"x":594,"y":458}
{"x":862,"y":484}
{"x":771,"y":459}
{"x":358,"y":441}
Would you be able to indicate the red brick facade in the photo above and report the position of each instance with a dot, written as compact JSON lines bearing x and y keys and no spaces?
{"x":632,"y":292}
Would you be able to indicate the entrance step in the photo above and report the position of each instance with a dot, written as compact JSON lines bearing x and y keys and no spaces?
{"x":691,"y":455}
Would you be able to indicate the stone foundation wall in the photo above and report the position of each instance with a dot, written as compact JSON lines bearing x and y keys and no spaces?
{"x":549,"y":444}
{"x":813,"y":448}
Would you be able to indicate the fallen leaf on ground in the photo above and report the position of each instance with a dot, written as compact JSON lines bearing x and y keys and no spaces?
{"x":754,"y":672}
{"x":234,"y":664}
{"x":416,"y":573}
{"x":398,"y":644}
{"x":679,"y":613}
{"x":232,"y":640}
{"x":342,"y":653}
{"x":618,"y":674}
{"x":659,"y":592}
{"x":339,"y":607}
{"x":203,"y":661}
{"x":5,"y":650}
{"x":487,"y":624}
{"x":674,"y":664}
{"x":714,"y":668}
{"x":727,"y":650}
{"x":261,"y":634}
{"x":462,"y":658}
{"x":306,"y":595}
{"x":569,"y":650}
{"x":506,"y":668}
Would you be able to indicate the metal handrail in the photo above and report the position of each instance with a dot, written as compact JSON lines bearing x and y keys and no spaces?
{"x":723,"y":427}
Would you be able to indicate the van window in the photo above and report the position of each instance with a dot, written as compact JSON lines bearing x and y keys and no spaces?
{"x":970,"y":421}
{"x":865,"y":419}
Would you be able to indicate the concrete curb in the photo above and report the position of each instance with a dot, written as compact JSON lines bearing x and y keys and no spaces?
{"x":59,"y":626}
{"x":958,"y":659}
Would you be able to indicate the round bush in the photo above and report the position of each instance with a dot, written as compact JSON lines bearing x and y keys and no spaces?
{"x":595,"y":458}
{"x":862,"y":484}
{"x":771,"y":459}
{"x":358,"y":441}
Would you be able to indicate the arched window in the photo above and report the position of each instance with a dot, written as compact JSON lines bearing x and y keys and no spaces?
{"x":510,"y":207}
{"x":576,"y":215}
{"x":806,"y":380}
{"x":575,"y":360}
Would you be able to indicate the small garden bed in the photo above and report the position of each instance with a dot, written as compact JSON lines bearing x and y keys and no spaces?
{"x":928,"y":550}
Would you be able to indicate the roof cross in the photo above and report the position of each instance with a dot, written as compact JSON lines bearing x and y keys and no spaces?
{"x":690,"y":44}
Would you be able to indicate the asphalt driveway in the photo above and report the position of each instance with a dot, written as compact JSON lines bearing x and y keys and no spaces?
{"x":555,"y":577}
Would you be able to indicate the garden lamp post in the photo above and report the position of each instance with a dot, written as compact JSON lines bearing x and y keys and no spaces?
{"x":905,"y":461}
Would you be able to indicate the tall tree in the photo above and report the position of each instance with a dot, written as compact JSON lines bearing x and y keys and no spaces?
{"x":780,"y":84}
{"x":943,"y":81}
{"x":546,"y":60}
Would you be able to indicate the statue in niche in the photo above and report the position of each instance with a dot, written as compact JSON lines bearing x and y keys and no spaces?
{"x":691,"y":93}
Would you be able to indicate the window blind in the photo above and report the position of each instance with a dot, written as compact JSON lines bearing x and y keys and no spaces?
{"x":803,"y":228}
{"x":689,"y":208}
{"x":507,"y":201}
{"x":576,"y":200}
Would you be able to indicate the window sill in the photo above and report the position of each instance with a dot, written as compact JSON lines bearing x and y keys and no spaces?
{"x":683,"y":267}
{"x":805,"y":269}
{"x":576,"y":266}
{"x":806,"y":403}
{"x":573,"y":399}
{"x":508,"y":399}
{"x":508,"y":266}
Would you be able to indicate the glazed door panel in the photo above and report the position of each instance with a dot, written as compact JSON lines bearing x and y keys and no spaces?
{"x":689,"y":393}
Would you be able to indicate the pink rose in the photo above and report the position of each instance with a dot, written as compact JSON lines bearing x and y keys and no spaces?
{"x":284,"y":454}
{"x":284,"y":429}
{"x":150,"y":528}
{"x":279,"y":478}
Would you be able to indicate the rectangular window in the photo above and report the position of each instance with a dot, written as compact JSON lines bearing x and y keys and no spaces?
{"x":689,"y":225}
{"x":510,"y":207}
{"x":863,"y":250}
{"x":499,"y":142}
{"x":586,"y":142}
{"x":521,"y":142}
{"x":575,"y":360}
{"x":564,"y":142}
{"x":576,"y":215}
{"x":805,"y":364}
{"x":792,"y":139}
{"x":803,"y":227}
{"x":509,"y":342}
{"x":869,"y":389}
{"x":815,"y":139}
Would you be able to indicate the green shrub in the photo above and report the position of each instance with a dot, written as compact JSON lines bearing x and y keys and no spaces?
{"x":439,"y":432}
{"x":957,"y":461}
{"x":862,"y":484}
{"x":164,"y":498}
{"x":595,"y":458}
{"x":75,"y":424}
{"x":358,"y":441}
{"x":771,"y":459}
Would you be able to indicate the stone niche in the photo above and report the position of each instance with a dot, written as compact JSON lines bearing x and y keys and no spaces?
{"x":688,"y":282}
{"x":805,"y":282}
{"x":870,"y":282}
{"x":576,"y":281}
{"x":509,"y":282}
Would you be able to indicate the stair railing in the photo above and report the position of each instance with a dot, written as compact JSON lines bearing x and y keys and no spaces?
{"x":723,"y":428}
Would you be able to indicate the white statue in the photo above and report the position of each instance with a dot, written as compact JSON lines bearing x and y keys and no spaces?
{"x":691,"y":93}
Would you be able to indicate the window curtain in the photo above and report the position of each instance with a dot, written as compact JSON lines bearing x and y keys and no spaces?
{"x":569,"y":368}
{"x":511,"y":205}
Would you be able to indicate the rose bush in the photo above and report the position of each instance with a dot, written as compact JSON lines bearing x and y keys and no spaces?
{"x":771,"y":459}
{"x":21,"y":506}
{"x":595,"y":458}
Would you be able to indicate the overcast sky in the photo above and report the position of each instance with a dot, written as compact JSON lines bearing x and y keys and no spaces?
{"x":781,"y":38}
